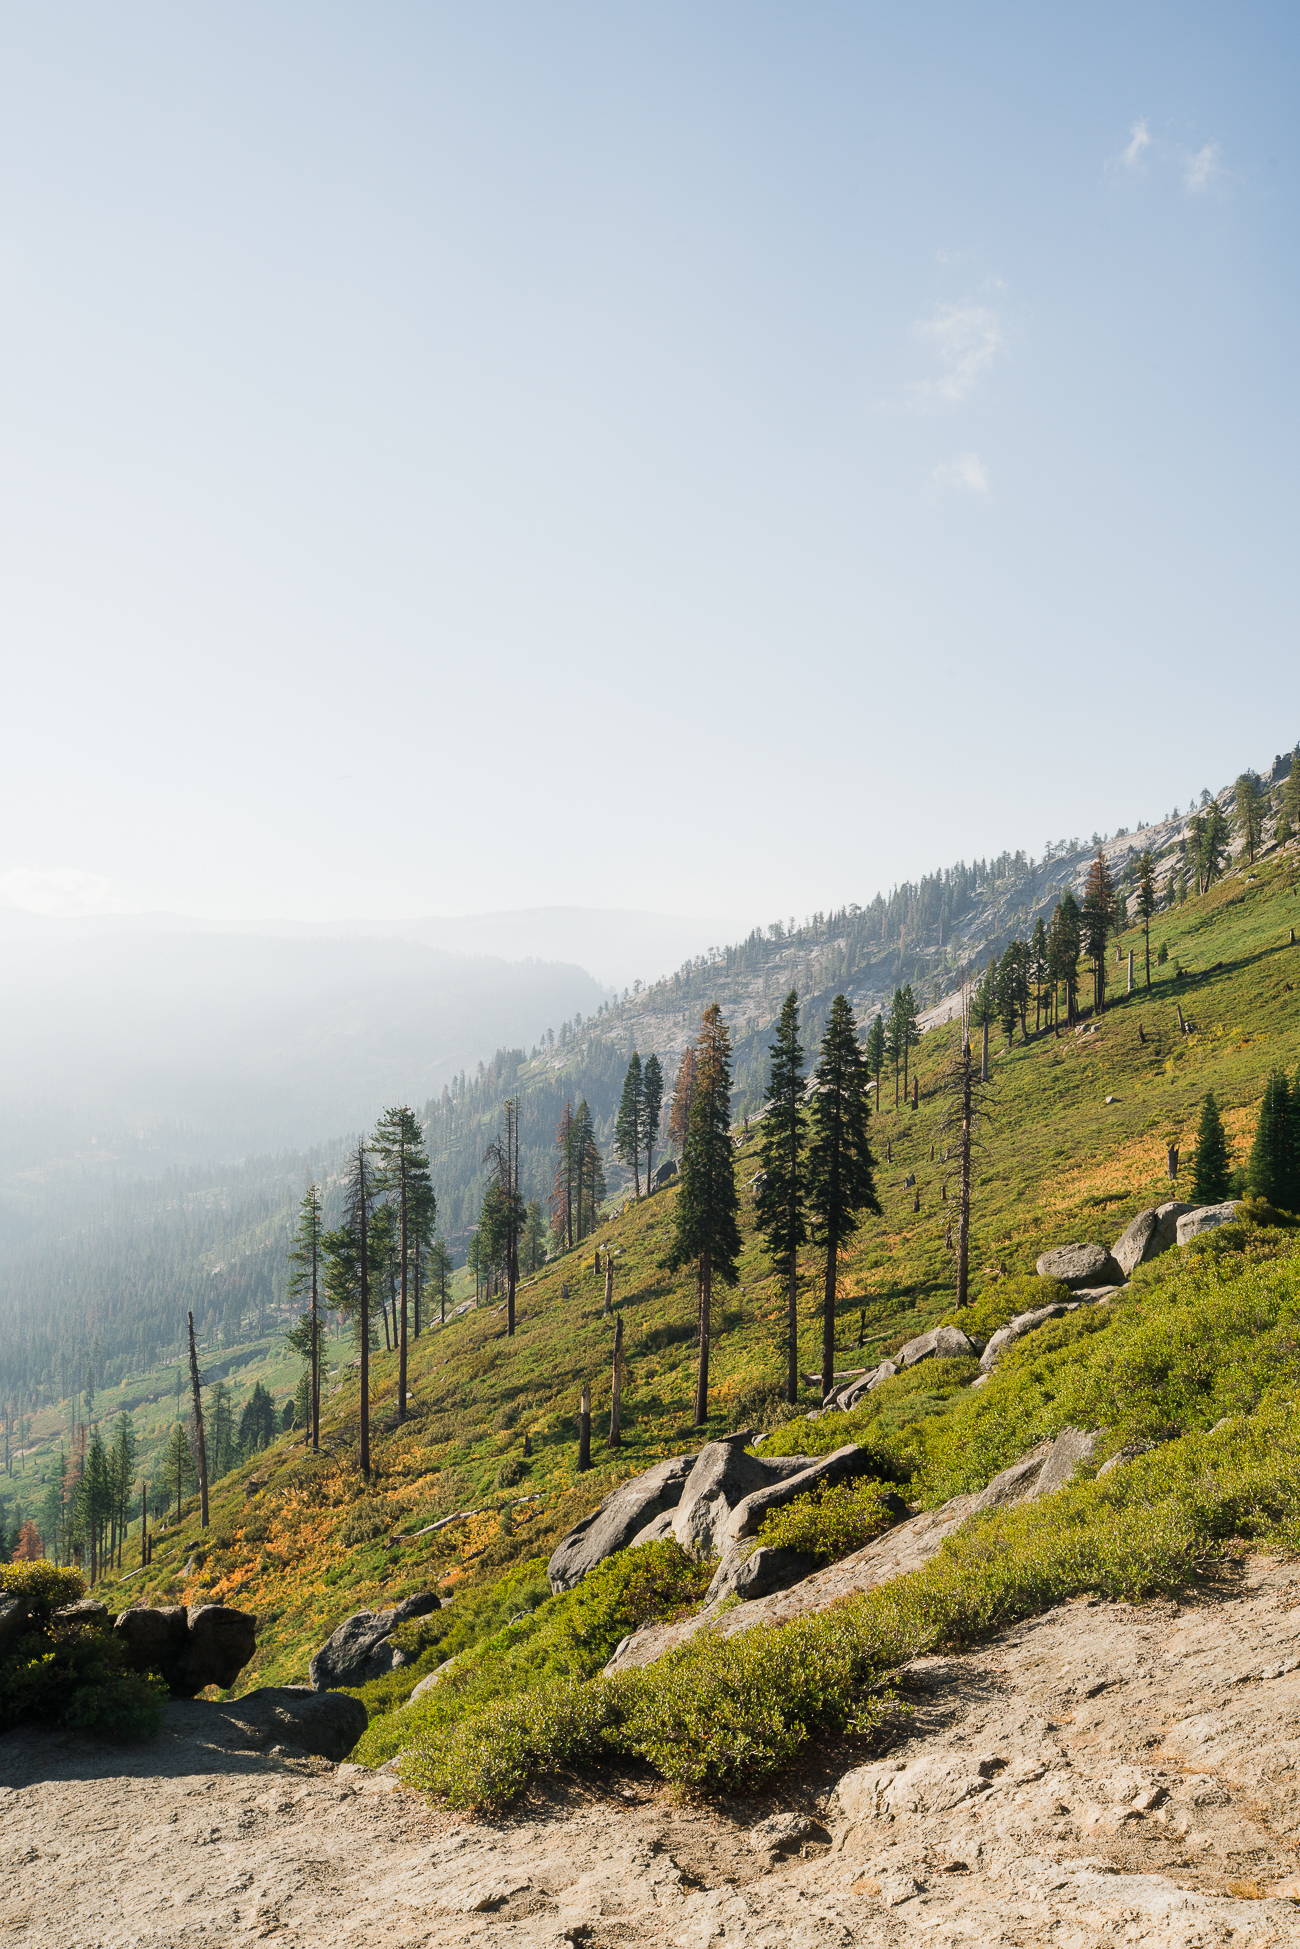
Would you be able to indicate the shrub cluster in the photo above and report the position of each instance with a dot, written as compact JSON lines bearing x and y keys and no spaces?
{"x":68,"y":1671}
{"x":831,"y":1521}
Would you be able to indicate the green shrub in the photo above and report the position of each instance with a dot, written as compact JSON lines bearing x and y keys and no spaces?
{"x":510,"y":1473}
{"x":71,"y":1673}
{"x":367,"y":1521}
{"x":830,"y":1522}
{"x":1001,"y":1301}
{"x":762,"y":1406}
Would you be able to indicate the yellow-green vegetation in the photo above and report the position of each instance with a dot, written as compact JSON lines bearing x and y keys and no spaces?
{"x":1204,"y":1359}
{"x":304,"y":1541}
{"x":830,"y":1522}
{"x":70,"y":1670}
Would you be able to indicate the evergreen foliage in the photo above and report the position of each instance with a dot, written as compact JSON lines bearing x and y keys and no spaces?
{"x":780,"y":1211}
{"x":628,"y":1123}
{"x":1271,"y":1171}
{"x":1211,"y":1167}
{"x":841,"y":1181}
{"x":652,"y":1103}
{"x":707,"y":1231}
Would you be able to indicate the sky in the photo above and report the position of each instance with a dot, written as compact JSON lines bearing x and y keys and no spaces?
{"x":715,"y":459}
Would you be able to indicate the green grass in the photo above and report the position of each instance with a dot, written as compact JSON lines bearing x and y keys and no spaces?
{"x":1059,"y":1164}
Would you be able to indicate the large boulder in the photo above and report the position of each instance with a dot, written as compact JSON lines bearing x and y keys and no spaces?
{"x":15,"y":1617}
{"x":325,"y":1724}
{"x":621,"y":1516}
{"x":1169,"y":1216}
{"x":359,"y":1649}
{"x":1081,"y":1265}
{"x":1042,"y":1471}
{"x":209,"y":1644}
{"x":723,"y":1476}
{"x":940,"y":1343}
{"x":1205,"y":1218}
{"x":750,"y":1573}
{"x":1023,"y":1323}
{"x":1137,"y":1243}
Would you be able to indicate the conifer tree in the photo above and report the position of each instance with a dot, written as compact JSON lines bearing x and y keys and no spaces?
{"x":875,"y":1051}
{"x":967,"y":1107}
{"x":780,"y":1204}
{"x":1063,"y":943}
{"x":627,"y":1125}
{"x":121,"y":1462}
{"x":1097,"y":913}
{"x":359,"y":1194}
{"x":894,"y":1036}
{"x":841,"y":1183}
{"x":707,"y":1230}
{"x":1249,"y":807}
{"x":304,"y":1283}
{"x":908,"y":1033}
{"x":1211,"y":1169}
{"x":1147,"y":900}
{"x":679,"y":1116}
{"x":1271,"y":1172}
{"x":1038,"y":968}
{"x":652,"y":1103}
{"x":562,"y":1190}
{"x":178,"y":1464}
{"x":440,"y":1269}
{"x":1288,"y":819}
{"x":402,"y":1174}
{"x":510,"y":1208}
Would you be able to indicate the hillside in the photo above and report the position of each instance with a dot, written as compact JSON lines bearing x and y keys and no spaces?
{"x":304,"y":1542}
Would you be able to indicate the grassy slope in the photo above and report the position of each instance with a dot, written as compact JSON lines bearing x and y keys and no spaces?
{"x":1060,"y":1164}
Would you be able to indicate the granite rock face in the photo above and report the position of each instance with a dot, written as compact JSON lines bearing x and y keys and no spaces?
{"x":721,"y":1480}
{"x":1080,"y":1265}
{"x":359,"y":1649}
{"x":1204,"y":1218}
{"x":624,"y":1513}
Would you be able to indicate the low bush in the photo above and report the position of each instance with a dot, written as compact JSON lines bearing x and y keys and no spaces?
{"x":830,"y":1522}
{"x":70,"y":1672}
{"x":1002,"y":1300}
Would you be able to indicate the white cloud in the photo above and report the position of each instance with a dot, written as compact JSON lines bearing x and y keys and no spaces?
{"x":1139,"y":139}
{"x":1202,"y":169}
{"x":964,"y":474}
{"x":967,"y":338}
{"x":61,"y":892}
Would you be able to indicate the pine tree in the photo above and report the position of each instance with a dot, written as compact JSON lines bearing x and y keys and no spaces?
{"x":1288,"y":819}
{"x":304,"y":1283}
{"x":511,"y":1210}
{"x":627,"y":1125}
{"x":358,"y":1198}
{"x":894,"y":1036}
{"x":440,"y":1268}
{"x":1039,"y":968}
{"x":221,"y":1421}
{"x":402,"y":1174}
{"x":1249,"y":807}
{"x":780,"y":1204}
{"x":1097,"y":914}
{"x":1063,"y":943}
{"x":1147,"y":900}
{"x":178,"y":1465}
{"x":707,"y":1230}
{"x":589,"y":1176}
{"x":121,"y":1462}
{"x":968,"y":1095}
{"x":652,"y":1103}
{"x":841,"y":1183}
{"x":875,"y":1051}
{"x":1271,"y":1171}
{"x":562,"y":1192}
{"x":1211,"y":1169}
{"x":908,"y":1032}
{"x":679,"y":1116}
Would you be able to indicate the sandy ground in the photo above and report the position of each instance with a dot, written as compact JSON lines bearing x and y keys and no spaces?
{"x":1105,"y":1774}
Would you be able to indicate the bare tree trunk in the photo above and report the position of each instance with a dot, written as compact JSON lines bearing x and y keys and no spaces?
{"x":584,"y":1429}
{"x":828,"y":1315}
{"x":616,"y":1388}
{"x":315,"y":1350}
{"x":609,"y":1283}
{"x":144,"y":1524}
{"x":1130,"y":971}
{"x":401,"y":1342}
{"x":198,"y":1430}
{"x":792,"y":1376}
{"x":963,"y":1216}
{"x":705,"y":1278}
{"x":984,"y":1053}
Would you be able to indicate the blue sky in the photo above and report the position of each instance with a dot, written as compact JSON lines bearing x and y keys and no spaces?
{"x":719,"y":459}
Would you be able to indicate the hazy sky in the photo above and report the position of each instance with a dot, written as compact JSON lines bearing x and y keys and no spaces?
{"x":714,"y":458}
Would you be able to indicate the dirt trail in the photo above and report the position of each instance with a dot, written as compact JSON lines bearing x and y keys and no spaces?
{"x":1104,"y":1774}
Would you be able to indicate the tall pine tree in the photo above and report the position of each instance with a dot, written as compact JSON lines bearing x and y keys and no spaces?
{"x":652,"y":1103}
{"x":781,"y":1201}
{"x":707,"y":1230}
{"x":1271,"y":1172}
{"x":627,"y":1125}
{"x":1211,"y":1168}
{"x":841,"y":1183}
{"x":304,"y":1283}
{"x":1147,"y":901}
{"x":402,"y":1174}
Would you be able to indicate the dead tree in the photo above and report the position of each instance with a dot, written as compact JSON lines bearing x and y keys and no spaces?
{"x":967,"y":1107}
{"x":609,"y":1283}
{"x":616,"y":1388}
{"x":584,"y":1428}
{"x":198,"y":1430}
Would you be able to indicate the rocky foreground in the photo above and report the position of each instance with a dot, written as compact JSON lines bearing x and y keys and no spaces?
{"x":1103,"y":1774}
